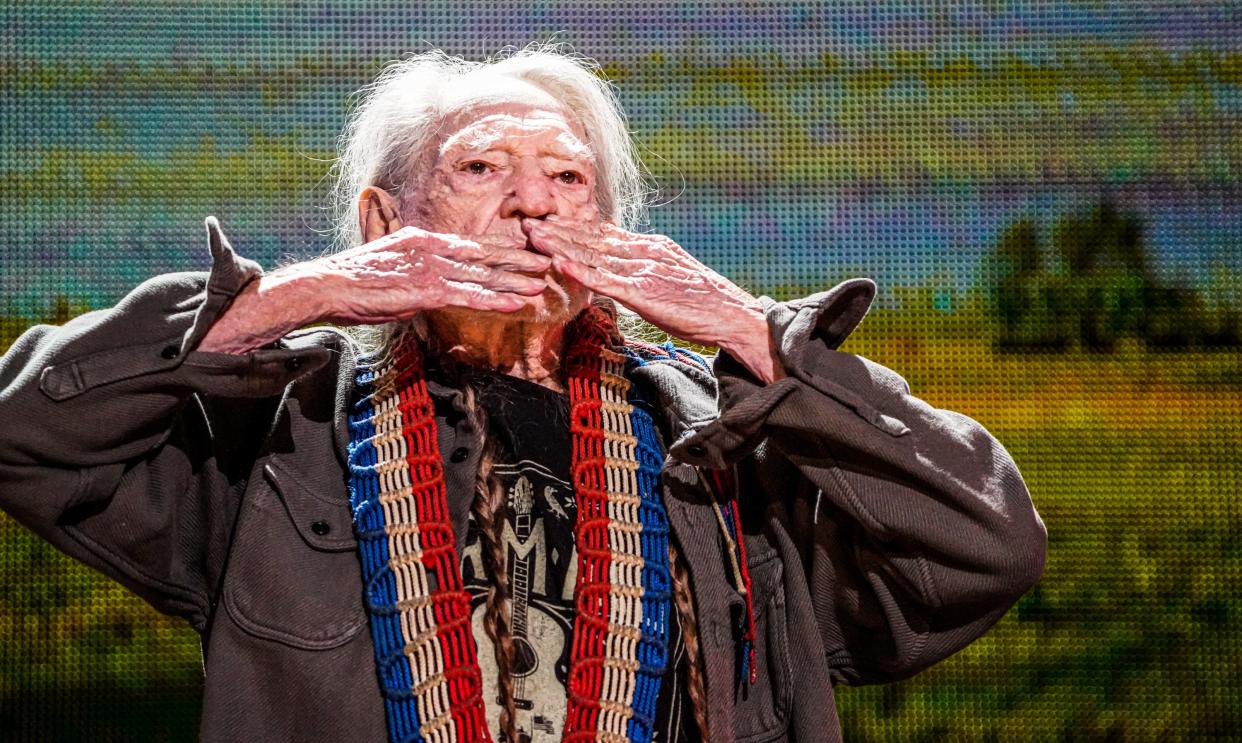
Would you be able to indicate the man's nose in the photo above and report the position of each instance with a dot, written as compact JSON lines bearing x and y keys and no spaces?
{"x":530,"y":195}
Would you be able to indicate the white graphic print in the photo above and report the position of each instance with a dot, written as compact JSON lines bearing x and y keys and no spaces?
{"x":542,"y":571}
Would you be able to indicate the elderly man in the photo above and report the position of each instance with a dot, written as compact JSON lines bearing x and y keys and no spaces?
{"x":482,"y":513}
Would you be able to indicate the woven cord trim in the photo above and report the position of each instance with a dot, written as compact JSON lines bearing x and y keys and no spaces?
{"x":420,"y":613}
{"x":425,"y":653}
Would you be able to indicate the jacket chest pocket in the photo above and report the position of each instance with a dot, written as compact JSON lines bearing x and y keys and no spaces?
{"x":761,"y":711}
{"x":294,"y":575}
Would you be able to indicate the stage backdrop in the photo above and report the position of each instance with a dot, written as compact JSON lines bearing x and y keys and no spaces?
{"x":1046,"y":192}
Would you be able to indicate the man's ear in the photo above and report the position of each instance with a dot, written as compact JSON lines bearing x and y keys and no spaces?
{"x":377,"y":213}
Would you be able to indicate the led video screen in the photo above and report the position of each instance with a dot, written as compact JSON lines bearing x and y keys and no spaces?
{"x":1045,"y":193}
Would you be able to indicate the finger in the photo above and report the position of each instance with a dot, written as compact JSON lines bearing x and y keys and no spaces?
{"x":450,"y":245}
{"x":421,"y":242}
{"x":652,"y":245}
{"x":587,"y":216}
{"x":558,"y":245}
{"x":614,"y":230}
{"x":506,"y":256}
{"x":604,"y":242}
{"x":496,"y":253}
{"x":473,"y":296}
{"x":593,"y":278}
{"x":555,"y":245}
{"x":491,"y":278}
{"x":577,"y":230}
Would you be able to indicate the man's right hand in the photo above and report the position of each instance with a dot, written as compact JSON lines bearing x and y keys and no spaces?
{"x":391,"y":278}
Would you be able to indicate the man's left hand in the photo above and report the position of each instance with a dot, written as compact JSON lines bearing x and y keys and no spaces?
{"x":665,"y":285}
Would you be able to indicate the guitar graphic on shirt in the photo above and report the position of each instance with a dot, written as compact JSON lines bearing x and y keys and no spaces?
{"x":539,"y":636}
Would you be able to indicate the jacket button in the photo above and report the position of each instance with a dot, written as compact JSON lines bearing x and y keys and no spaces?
{"x":293,"y":364}
{"x":170,"y":352}
{"x":696,"y":450}
{"x":459,"y":455}
{"x":321,"y":528}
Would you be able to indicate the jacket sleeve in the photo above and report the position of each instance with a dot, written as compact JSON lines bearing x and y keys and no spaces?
{"x":918,"y":532}
{"x":107,"y":447}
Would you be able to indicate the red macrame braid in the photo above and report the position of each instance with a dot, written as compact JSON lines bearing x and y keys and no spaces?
{"x":488,"y":511}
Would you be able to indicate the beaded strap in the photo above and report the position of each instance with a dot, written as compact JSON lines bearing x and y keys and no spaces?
{"x":419,"y":613}
{"x":620,"y":639}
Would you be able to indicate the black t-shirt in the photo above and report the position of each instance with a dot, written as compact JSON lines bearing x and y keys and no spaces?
{"x":531,"y":426}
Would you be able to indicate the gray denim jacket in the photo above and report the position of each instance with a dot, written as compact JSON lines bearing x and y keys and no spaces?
{"x":882,"y":534}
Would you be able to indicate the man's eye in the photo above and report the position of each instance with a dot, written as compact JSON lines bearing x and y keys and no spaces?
{"x":569,"y":176}
{"x":477,"y":168}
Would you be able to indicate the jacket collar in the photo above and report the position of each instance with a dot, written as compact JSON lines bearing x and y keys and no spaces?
{"x":686,"y":395}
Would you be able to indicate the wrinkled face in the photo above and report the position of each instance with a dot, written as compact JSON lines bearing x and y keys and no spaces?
{"x":503,"y":155}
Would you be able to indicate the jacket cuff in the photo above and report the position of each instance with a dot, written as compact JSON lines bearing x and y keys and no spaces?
{"x":230,"y":273}
{"x":801,"y":329}
{"x":823,"y":319}
{"x":155,"y":329}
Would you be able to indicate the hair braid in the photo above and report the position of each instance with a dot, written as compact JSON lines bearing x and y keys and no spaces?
{"x":690,"y":636}
{"x":488,"y":510}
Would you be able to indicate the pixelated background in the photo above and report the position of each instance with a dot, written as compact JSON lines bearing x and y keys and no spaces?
{"x":1046,"y":192}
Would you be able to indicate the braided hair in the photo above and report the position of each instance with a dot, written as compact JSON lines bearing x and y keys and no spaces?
{"x":489,"y":511}
{"x":684,"y":601}
{"x":488,"y":508}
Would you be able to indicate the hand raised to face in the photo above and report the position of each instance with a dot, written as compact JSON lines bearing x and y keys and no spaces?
{"x":663,"y":283}
{"x":411,"y":270}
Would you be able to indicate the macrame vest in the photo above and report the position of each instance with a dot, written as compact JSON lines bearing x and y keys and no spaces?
{"x":419,"y":613}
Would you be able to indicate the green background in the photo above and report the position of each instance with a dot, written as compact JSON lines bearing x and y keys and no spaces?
{"x":1047,"y":194}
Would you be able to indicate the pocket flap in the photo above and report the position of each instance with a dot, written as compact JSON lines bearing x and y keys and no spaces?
{"x":325,"y":523}
{"x":73,"y":377}
{"x":292,"y":585}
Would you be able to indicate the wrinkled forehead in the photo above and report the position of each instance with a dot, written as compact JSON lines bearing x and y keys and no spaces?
{"x":533,"y":130}
{"x":483,"y":115}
